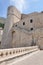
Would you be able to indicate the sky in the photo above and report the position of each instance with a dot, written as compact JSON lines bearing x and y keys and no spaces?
{"x":24,"y":6}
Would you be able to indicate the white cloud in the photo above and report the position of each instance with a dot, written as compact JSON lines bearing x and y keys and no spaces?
{"x":20,"y":4}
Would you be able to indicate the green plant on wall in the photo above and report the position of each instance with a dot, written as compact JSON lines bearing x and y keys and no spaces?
{"x":2,"y":25}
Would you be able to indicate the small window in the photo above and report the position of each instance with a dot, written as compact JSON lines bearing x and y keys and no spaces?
{"x":31,"y":20}
{"x":23,"y":23}
{"x":0,"y":42}
{"x":41,"y":11}
{"x":16,"y":25}
{"x":31,"y":29}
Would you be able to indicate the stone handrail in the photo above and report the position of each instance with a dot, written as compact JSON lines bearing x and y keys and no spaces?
{"x":6,"y":54}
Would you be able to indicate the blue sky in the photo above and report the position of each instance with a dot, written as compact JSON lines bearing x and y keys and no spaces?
{"x":25,"y":6}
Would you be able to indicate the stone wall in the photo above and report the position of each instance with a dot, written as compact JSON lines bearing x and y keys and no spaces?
{"x":21,"y":38}
{"x":33,"y":24}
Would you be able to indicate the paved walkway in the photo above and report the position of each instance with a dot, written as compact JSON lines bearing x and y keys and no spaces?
{"x":30,"y":59}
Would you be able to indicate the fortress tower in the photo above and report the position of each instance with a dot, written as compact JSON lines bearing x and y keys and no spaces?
{"x":13,"y":16}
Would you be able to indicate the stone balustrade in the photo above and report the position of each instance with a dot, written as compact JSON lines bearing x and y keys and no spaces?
{"x":6,"y":54}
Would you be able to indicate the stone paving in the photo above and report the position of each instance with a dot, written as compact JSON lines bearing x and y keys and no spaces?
{"x":32,"y":59}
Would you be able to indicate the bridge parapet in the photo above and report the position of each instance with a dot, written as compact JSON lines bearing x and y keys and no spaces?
{"x":6,"y":54}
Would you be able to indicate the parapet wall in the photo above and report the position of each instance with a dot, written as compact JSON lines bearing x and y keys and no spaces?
{"x":7,"y":54}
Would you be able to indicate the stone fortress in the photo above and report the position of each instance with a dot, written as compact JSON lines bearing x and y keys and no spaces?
{"x":21,"y":30}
